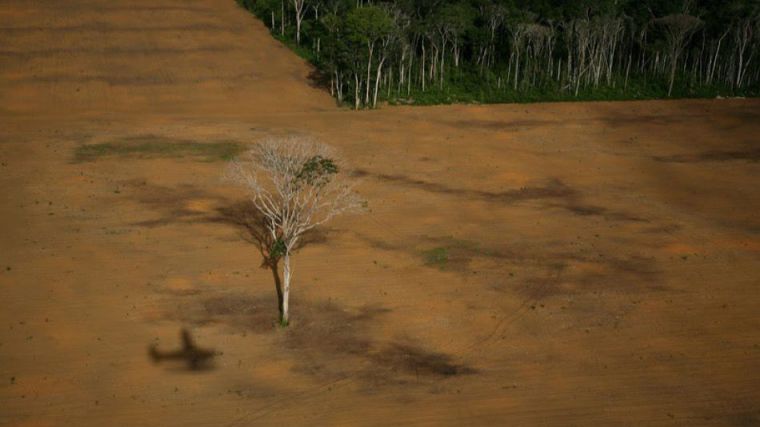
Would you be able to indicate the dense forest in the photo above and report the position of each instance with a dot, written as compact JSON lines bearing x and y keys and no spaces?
{"x":442,"y":51}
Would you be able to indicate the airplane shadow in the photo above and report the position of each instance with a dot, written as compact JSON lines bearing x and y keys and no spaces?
{"x":189,"y":357}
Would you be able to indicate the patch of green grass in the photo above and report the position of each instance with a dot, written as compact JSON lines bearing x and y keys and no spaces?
{"x":452,"y":253}
{"x":437,"y":257}
{"x":150,"y":147}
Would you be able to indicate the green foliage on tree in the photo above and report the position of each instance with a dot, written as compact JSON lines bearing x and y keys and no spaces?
{"x":367,"y":25}
{"x":317,"y":171}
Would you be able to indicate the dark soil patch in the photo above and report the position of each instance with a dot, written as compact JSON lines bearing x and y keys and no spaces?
{"x":605,"y":274}
{"x":555,"y":192}
{"x":553,"y":189}
{"x":419,"y":362}
{"x":712,"y":156}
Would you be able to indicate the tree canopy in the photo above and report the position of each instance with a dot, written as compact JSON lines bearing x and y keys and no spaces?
{"x":437,"y":51}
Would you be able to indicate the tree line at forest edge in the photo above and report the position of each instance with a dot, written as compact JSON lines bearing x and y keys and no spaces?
{"x":442,"y":51}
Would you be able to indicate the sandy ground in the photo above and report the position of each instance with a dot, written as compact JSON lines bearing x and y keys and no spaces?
{"x":600,"y":260}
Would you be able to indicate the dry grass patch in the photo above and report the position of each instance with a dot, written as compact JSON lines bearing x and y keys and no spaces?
{"x":151,"y":146}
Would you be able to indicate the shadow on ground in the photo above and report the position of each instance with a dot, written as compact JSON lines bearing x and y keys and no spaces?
{"x":554,"y":194}
{"x":749,"y":155}
{"x":330,"y":341}
{"x":188,"y":356}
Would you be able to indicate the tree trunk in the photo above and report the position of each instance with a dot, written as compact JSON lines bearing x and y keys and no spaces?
{"x":299,"y":17}
{"x":371,"y":48}
{"x":286,"y":290}
{"x":356,"y":91}
{"x":517,"y":67}
{"x":377,"y":82}
{"x":275,"y":269}
{"x":673,"y":67}
{"x":443,"y":57}
{"x":401,"y":73}
{"x":409,"y":75}
{"x":422,"y":74}
{"x":338,"y":87}
{"x":282,"y":18}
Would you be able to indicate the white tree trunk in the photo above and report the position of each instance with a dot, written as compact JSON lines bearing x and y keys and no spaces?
{"x":339,"y":87}
{"x":443,"y":57}
{"x":377,"y":82}
{"x":371,"y":48}
{"x":673,"y":68}
{"x":286,"y":289}
{"x":423,"y":66}
{"x":300,"y":8}
{"x":517,"y":67}
{"x":298,"y":30}
{"x":356,"y":91}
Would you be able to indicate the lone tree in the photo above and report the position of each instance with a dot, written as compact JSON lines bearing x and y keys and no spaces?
{"x":296,"y":185}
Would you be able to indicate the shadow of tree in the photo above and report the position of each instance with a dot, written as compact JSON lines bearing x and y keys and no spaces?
{"x":571,"y":271}
{"x":554,"y":193}
{"x":244,"y":215}
{"x":319,"y":80}
{"x":331,"y":341}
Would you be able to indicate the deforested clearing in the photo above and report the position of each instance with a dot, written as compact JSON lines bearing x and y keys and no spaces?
{"x":544,"y":264}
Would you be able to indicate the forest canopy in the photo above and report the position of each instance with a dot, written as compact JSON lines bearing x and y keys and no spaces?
{"x":443,"y":51}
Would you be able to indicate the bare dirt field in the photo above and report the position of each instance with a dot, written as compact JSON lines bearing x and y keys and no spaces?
{"x":553,"y":264}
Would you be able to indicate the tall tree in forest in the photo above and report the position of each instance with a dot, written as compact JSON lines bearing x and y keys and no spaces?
{"x":367,"y":26}
{"x":299,"y":6}
{"x":678,"y":30}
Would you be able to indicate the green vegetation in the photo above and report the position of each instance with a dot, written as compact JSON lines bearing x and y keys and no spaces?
{"x":437,"y":257}
{"x":147,"y":147}
{"x":450,"y":252}
{"x":317,"y":171}
{"x":486,"y":51}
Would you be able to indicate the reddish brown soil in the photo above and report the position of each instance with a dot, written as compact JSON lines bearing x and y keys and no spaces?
{"x":602,"y":259}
